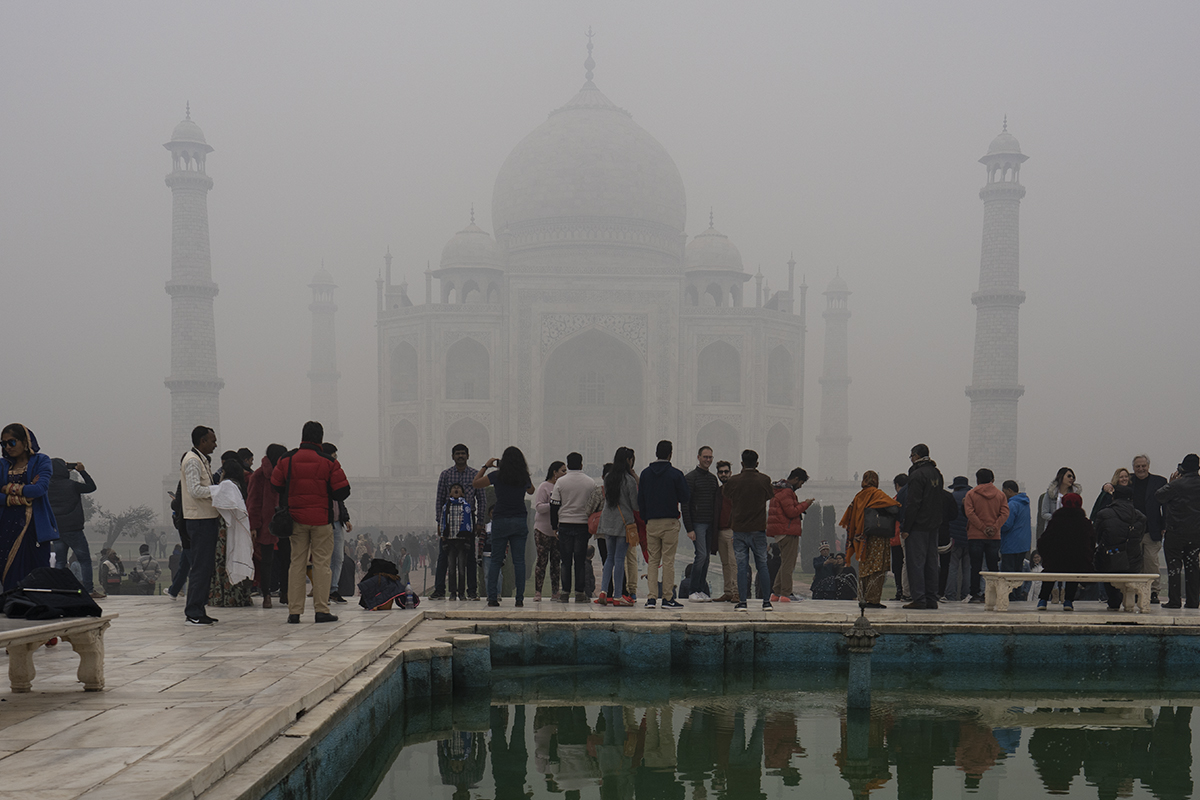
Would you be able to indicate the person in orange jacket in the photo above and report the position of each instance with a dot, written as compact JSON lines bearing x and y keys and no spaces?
{"x":783,"y":522}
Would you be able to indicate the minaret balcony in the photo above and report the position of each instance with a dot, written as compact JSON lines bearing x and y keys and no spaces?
{"x":985,"y":391}
{"x":192,"y":289}
{"x":998,"y":298}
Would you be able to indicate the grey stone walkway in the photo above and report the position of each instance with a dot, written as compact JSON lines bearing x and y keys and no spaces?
{"x":184,"y":705}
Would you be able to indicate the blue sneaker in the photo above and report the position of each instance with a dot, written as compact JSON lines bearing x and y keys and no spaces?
{"x":1041,"y":605}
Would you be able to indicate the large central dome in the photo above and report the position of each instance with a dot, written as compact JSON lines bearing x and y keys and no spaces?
{"x":589,"y":180}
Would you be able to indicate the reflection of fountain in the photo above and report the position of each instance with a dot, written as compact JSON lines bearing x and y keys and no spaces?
{"x":860,"y":640}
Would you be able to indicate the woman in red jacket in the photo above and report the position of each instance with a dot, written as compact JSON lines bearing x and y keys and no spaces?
{"x":783,"y":521}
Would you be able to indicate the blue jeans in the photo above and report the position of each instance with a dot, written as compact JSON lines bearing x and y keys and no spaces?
{"x":743,"y":544}
{"x":958,"y":582}
{"x":981,"y":548}
{"x":1015,"y":562}
{"x":181,"y":574}
{"x":700,"y":559}
{"x":614,"y":564}
{"x":339,"y":553}
{"x":510,"y":532}
{"x":203,"y":533}
{"x":77,"y":542}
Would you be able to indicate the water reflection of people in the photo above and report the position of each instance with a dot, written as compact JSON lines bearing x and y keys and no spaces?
{"x":780,"y":743}
{"x":461,"y":761}
{"x":1057,"y":755}
{"x":656,"y":776}
{"x":918,"y":744}
{"x":1171,"y":754}
{"x":576,"y":766}
{"x":545,"y":745}
{"x":508,"y":754}
{"x":977,"y":751}
{"x":615,"y":759}
{"x":694,"y":756}
{"x":743,"y":773}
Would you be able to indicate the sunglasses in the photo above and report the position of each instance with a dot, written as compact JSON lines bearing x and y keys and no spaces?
{"x":11,"y":442}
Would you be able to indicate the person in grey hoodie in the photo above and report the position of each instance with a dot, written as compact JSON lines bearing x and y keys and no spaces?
{"x":66,"y":501}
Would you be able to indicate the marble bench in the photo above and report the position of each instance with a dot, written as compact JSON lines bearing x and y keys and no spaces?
{"x":85,"y":635}
{"x":1135,"y":586}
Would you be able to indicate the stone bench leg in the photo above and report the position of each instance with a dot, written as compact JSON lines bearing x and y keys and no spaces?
{"x":89,"y":645}
{"x":20,"y":665}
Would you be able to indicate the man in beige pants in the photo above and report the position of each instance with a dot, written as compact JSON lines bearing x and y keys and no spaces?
{"x":729,"y":593}
{"x":662,"y":490}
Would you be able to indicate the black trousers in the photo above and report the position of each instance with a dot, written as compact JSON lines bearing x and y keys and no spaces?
{"x":283,"y":563}
{"x":923,"y":567}
{"x":203,"y":553}
{"x":1068,"y":593}
{"x":572,"y":546}
{"x":439,"y":575}
{"x":1183,"y":565}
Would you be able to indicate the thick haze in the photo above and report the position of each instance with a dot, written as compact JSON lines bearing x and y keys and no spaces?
{"x":848,"y":133}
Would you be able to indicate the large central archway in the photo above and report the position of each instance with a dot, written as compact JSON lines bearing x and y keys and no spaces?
{"x":592,"y":401}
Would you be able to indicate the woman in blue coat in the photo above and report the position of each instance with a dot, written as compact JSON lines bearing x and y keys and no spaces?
{"x":27,"y":525}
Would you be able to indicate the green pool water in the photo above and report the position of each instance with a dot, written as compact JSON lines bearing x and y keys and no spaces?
{"x":579,"y":734}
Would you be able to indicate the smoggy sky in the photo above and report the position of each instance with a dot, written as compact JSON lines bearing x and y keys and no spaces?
{"x":848,"y":133}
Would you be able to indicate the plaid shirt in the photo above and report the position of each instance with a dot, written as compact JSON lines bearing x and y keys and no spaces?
{"x":477,"y":497}
{"x":456,"y":519}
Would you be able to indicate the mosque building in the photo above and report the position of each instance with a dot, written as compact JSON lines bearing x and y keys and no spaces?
{"x":588,"y":321}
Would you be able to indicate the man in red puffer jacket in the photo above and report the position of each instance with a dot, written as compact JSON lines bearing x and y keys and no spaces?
{"x":783,"y":521}
{"x":312,"y":480}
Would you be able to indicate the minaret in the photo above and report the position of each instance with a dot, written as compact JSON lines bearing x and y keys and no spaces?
{"x":994,"y":390}
{"x":323,"y":374}
{"x":195,"y":387}
{"x":833,"y":443}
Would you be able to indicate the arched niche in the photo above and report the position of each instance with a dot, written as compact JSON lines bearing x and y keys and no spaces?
{"x":471,"y":293}
{"x":402,"y":369}
{"x":592,"y":399}
{"x":778,"y":451}
{"x":405,"y":459}
{"x":781,"y":378}
{"x":719,"y":374}
{"x":691,"y":296}
{"x":724,"y":440}
{"x":468,"y":371}
{"x":475,"y":435}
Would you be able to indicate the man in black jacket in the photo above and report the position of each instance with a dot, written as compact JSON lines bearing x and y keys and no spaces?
{"x":1144,"y":485}
{"x":700,"y":519}
{"x":922,"y":520}
{"x":66,"y":501}
{"x":1180,"y":499}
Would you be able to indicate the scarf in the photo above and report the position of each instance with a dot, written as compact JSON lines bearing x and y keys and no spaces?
{"x":869,"y":497}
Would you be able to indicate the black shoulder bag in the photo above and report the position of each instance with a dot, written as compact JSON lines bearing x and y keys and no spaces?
{"x":281,"y":520}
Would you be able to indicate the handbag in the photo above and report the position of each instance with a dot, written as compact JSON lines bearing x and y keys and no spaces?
{"x":631,"y":528}
{"x":281,"y":520}
{"x":594,"y":523}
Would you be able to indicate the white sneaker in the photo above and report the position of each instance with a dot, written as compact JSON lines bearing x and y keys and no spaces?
{"x":167,"y":592}
{"x":795,"y":598}
{"x":699,"y":597}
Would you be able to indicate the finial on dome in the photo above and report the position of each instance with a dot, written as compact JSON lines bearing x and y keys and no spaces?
{"x":188,"y":110}
{"x":472,"y":213}
{"x":1005,"y":130}
{"x":589,"y":64}
{"x":389,"y":251}
{"x":710,"y":216}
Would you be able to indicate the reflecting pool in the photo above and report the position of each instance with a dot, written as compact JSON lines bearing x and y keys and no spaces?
{"x":574,"y":734}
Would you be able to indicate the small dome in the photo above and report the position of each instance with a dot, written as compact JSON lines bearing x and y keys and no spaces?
{"x":1004,"y":143}
{"x":713,"y":250}
{"x":472,"y":247}
{"x":837,"y":286}
{"x":188,"y":131}
{"x":322,"y":278}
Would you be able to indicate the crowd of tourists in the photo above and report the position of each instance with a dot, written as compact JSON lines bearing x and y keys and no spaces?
{"x":279,"y":530}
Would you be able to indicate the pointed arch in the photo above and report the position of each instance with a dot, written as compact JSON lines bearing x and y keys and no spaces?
{"x":468,"y":371}
{"x":474,"y":434}
{"x":778,"y":451}
{"x":402,"y":369}
{"x":781,"y":377}
{"x":719,"y":374}
{"x":723,"y":439}
{"x":405,"y":458}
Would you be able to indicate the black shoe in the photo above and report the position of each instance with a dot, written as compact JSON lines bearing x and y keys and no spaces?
{"x":977,"y":599}
{"x":767,"y":606}
{"x":283,"y":599}
{"x":473,"y":598}
{"x":325,"y":617}
{"x":293,"y":619}
{"x":200,"y":620}
{"x":493,"y":602}
{"x":438,"y":596}
{"x":519,"y":602}
{"x":1172,"y":605}
{"x":1154,"y":598}
{"x":876,"y":605}
{"x":1114,"y":608}
{"x":916,"y":605}
{"x":336,"y":597}
{"x":673,"y":603}
{"x":651,"y":603}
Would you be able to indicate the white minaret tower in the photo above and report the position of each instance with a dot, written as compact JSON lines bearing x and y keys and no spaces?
{"x":323,"y":374}
{"x":994,"y":390}
{"x":195,"y":387}
{"x":833,"y":443}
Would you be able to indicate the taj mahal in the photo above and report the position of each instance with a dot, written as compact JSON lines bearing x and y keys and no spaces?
{"x":588,"y":320}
